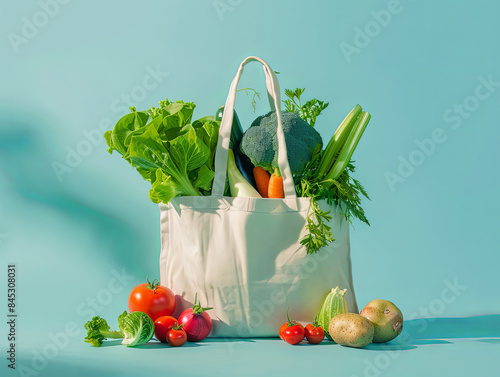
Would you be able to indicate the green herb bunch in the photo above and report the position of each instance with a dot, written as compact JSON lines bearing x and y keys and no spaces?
{"x":328,"y":176}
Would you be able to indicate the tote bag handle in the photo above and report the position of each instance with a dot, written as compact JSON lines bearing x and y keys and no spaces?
{"x":221,"y":153}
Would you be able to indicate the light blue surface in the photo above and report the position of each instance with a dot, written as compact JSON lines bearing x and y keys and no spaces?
{"x":436,"y":347}
{"x":432,"y":247}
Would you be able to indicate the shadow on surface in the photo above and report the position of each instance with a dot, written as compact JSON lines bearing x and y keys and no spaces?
{"x":486,"y":326}
{"x":391,"y":346}
{"x":153,"y":345}
{"x":425,"y":342}
{"x":229,"y":340}
{"x":325,"y":342}
{"x":492,"y":341}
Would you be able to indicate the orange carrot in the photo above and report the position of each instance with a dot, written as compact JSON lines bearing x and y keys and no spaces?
{"x":276,"y":186}
{"x":262,"y":180}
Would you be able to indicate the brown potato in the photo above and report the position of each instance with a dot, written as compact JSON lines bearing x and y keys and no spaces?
{"x":351,"y":329}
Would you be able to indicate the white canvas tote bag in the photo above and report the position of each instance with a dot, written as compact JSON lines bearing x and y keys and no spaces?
{"x":243,"y":256}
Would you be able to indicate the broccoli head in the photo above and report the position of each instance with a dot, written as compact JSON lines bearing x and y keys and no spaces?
{"x":260,"y":142}
{"x":98,"y":330}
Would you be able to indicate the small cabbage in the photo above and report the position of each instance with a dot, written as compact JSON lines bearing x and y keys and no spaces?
{"x":137,"y":328}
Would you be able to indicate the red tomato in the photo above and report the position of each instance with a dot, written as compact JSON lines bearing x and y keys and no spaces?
{"x":314,"y":335}
{"x":294,"y":334}
{"x":177,"y":336}
{"x":153,"y":299}
{"x":291,"y":331}
{"x":163,"y":325}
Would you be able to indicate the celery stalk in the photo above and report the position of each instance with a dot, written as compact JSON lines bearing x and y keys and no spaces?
{"x":337,"y":142}
{"x":349,"y":146}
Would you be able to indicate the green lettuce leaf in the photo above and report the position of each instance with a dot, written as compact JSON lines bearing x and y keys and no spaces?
{"x":176,"y":156}
{"x":164,"y":188}
{"x":205,"y":178}
{"x":188,"y":151}
{"x":207,"y":129}
{"x":147,"y":150}
{"x":125,"y":126}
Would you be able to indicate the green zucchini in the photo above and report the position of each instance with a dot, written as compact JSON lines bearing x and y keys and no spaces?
{"x":335,"y":303}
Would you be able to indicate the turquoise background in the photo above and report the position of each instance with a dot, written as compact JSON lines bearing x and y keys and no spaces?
{"x":434,"y":226}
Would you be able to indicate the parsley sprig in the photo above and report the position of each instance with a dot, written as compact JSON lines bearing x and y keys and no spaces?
{"x":308,"y":111}
{"x":346,"y":192}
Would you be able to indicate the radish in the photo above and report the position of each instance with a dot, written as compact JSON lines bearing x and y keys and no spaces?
{"x":197,"y":323}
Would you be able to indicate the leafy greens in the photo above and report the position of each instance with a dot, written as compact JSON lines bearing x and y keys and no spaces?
{"x":135,"y":328}
{"x":167,"y":149}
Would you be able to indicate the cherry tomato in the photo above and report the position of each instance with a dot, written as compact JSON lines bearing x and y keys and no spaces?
{"x":163,"y":325}
{"x":291,"y":331}
{"x":294,"y":334}
{"x":314,"y":335}
{"x":177,"y":336}
{"x":153,"y":299}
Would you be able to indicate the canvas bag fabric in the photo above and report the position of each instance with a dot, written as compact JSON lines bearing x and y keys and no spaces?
{"x":242,"y":256}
